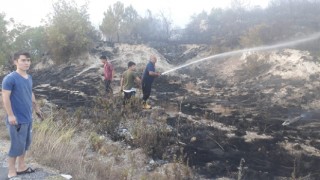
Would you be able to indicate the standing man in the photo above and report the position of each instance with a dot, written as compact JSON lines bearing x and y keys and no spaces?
{"x":108,"y":73}
{"x":19,"y":100}
{"x":147,"y":79}
{"x":128,"y":78}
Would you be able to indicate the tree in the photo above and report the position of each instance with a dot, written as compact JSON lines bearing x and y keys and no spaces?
{"x":112,"y":21}
{"x":256,"y":36}
{"x":69,"y":32}
{"x":33,"y":41}
{"x":197,"y":29}
{"x":130,"y":23}
{"x":239,"y":4}
{"x":108,"y":26}
{"x":5,"y":48}
{"x":166,"y":26}
{"x":149,"y":27}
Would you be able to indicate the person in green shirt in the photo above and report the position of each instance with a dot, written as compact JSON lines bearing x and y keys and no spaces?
{"x":128,"y":78}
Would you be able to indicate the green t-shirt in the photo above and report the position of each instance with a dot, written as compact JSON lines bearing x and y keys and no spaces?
{"x":128,"y":79}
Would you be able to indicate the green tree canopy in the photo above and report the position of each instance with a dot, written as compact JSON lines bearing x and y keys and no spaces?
{"x":69,"y":32}
{"x":4,"y":40}
{"x":112,"y":21}
{"x":32,"y":40}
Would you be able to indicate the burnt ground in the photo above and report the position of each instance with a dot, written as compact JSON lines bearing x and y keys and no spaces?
{"x":214,"y":130}
{"x":215,"y":123}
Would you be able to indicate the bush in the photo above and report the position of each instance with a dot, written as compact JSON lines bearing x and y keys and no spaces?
{"x":107,"y":116}
{"x":33,"y":41}
{"x":153,"y":139}
{"x":69,"y":32}
{"x":4,"y":40}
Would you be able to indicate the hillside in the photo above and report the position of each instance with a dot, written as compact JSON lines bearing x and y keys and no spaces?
{"x":209,"y":115}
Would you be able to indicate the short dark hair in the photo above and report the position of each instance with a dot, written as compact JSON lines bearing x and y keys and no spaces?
{"x":130,"y":63}
{"x":103,"y":57}
{"x":17,"y":55}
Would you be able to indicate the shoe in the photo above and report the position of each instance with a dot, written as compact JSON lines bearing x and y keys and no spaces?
{"x":146,"y":106}
{"x":27,"y":171}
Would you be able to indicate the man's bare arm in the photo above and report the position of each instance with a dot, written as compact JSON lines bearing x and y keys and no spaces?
{"x":138,"y":80}
{"x":156,"y":74}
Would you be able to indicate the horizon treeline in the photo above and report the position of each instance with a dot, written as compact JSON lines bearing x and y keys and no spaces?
{"x":68,"y":32}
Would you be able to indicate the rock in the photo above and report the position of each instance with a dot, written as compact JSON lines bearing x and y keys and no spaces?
{"x":66,"y":176}
{"x":193,"y":139}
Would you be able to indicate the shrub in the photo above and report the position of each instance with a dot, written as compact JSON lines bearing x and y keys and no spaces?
{"x":69,"y":31}
{"x":95,"y":141}
{"x":152,"y":138}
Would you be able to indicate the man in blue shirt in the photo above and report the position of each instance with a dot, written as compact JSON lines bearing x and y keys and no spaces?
{"x":18,"y":100}
{"x":147,"y":79}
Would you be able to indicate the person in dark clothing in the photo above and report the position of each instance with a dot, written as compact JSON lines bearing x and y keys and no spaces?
{"x":128,"y":78}
{"x":147,"y":79}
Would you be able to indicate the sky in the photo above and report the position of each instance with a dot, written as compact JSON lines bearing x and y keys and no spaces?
{"x":31,"y":12}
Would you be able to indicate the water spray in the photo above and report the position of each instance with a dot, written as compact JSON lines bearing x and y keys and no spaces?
{"x":261,"y":48}
{"x":307,"y":116}
{"x":94,"y":65}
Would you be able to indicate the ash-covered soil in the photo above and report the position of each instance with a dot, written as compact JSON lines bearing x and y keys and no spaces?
{"x":234,"y":109}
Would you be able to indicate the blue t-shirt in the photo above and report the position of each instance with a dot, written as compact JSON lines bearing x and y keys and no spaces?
{"x":146,"y":78}
{"x":20,"y":97}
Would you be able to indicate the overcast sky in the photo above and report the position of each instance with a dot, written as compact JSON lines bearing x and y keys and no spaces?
{"x":30,"y":12}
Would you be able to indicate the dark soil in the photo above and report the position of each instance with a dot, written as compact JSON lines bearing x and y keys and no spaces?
{"x":214,"y":154}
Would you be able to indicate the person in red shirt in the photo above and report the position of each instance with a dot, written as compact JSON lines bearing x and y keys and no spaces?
{"x":108,"y":73}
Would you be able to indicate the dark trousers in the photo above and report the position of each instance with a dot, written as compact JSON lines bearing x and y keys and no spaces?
{"x":108,"y":88}
{"x":127,"y":96}
{"x":146,"y":90}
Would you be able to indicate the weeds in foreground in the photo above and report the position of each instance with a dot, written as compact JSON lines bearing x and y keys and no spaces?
{"x":56,"y":145}
{"x":107,"y":116}
{"x":147,"y":130}
{"x":96,"y":141}
{"x":153,"y":139}
{"x":4,"y":132}
{"x":87,"y":154}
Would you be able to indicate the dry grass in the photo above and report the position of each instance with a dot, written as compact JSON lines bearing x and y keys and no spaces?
{"x":53,"y":146}
{"x":86,"y":153}
{"x":107,"y":116}
{"x":190,"y":86}
{"x":59,"y":146}
{"x":153,"y":139}
{"x":255,"y":66}
{"x":3,"y":130}
{"x":148,"y":131}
